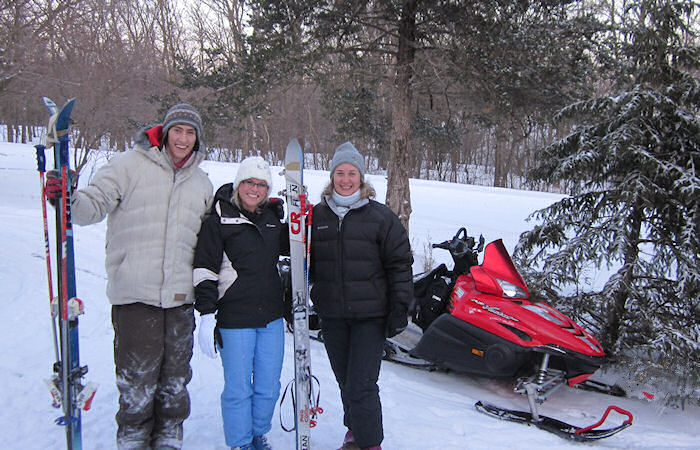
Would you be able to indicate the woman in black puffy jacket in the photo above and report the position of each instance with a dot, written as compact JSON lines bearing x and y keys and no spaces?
{"x":362,"y":286}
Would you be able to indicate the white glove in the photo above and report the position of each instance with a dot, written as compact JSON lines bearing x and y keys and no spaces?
{"x":206,"y":335}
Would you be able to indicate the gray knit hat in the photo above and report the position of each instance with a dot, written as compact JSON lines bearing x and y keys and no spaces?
{"x":347,"y":153}
{"x":185,"y":114}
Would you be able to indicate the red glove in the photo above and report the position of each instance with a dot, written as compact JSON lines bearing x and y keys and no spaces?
{"x":53,"y":189}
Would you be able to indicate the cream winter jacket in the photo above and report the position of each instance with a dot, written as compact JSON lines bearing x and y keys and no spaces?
{"x":153,"y":216}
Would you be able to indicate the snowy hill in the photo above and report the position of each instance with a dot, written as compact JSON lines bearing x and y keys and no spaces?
{"x":422,"y":410}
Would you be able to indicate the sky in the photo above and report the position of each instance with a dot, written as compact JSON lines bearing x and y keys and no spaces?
{"x":421,"y":409}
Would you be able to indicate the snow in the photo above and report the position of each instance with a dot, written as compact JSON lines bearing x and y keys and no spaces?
{"x":422,"y":410}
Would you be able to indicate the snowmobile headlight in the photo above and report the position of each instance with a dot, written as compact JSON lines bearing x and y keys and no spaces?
{"x":511,"y":290}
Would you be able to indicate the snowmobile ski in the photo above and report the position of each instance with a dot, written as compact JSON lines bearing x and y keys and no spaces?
{"x":561,"y":429}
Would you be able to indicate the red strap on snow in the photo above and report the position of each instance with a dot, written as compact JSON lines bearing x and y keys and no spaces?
{"x":605,"y":416}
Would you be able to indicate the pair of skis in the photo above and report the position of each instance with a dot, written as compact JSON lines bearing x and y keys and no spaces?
{"x":299,"y":216}
{"x":65,"y":384}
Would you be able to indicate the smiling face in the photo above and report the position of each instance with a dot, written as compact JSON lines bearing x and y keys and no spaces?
{"x":346,"y":179}
{"x":252,"y":192}
{"x":181,"y":140}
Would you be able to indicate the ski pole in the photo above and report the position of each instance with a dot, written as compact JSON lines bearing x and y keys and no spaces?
{"x":307,"y":223}
{"x":307,"y":220}
{"x":41,"y":167}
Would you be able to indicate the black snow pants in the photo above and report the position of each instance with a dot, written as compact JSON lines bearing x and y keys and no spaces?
{"x":354,"y":348}
{"x":152,"y":352}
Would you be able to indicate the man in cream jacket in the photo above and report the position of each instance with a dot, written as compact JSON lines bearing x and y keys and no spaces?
{"x":155,"y":198}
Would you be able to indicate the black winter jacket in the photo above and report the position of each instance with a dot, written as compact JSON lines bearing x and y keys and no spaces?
{"x":361,"y":267}
{"x":235,"y":264}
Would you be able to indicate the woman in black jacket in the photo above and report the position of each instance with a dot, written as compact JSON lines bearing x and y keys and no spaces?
{"x":362,"y":286}
{"x":236,"y":279}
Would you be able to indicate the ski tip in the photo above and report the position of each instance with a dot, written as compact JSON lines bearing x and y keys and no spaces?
{"x":53,"y":109}
{"x":50,"y":105}
{"x":68,"y":106}
{"x":63,"y":118}
{"x":293,"y":157}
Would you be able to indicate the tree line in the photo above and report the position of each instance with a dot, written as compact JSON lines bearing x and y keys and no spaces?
{"x":451,"y":90}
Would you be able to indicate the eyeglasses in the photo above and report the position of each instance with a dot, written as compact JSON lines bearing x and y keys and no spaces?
{"x":251,"y":183}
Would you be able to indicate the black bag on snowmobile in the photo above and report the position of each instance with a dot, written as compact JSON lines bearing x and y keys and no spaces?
{"x":432,"y":295}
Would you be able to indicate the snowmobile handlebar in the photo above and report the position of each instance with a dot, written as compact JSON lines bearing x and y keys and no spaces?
{"x":445,"y":245}
{"x":461,"y":243}
{"x":463,"y":249}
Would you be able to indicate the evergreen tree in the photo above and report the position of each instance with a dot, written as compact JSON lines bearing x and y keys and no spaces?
{"x":632,"y":163}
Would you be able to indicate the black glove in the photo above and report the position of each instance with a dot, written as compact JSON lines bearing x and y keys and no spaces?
{"x":53,"y":189}
{"x":276,"y":204}
{"x":396,"y":321}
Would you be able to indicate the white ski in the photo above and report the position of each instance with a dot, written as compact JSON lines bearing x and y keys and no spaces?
{"x":296,"y":218}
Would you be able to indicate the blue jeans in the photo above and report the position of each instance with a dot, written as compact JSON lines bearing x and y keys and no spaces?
{"x":252,"y":361}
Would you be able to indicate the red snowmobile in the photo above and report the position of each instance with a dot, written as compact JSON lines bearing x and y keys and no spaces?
{"x":480,"y":319}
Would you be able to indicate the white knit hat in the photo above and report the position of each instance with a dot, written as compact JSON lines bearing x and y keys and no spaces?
{"x":253,"y":167}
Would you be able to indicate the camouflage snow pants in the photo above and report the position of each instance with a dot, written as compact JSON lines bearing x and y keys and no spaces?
{"x":152,"y":352}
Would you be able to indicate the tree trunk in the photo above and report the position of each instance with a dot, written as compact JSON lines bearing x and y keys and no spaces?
{"x":616,"y":309}
{"x":398,"y":196}
{"x":500,"y":161}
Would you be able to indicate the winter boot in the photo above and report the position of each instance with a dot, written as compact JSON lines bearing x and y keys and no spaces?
{"x":349,"y":438}
{"x":350,"y":446}
{"x":354,"y":446}
{"x":261,"y":443}
{"x":349,"y":442}
{"x":244,"y":447}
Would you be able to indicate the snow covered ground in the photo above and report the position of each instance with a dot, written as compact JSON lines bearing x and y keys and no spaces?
{"x":422,"y":410}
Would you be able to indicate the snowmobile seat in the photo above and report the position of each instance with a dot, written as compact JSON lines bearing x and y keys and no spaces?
{"x":431,"y":292}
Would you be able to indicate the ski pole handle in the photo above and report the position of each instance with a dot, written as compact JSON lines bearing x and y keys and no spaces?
{"x":310,"y":213}
{"x":40,"y":158}
{"x":302,"y":204}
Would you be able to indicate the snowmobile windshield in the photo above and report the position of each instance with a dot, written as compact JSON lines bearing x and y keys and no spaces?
{"x":497,"y":272}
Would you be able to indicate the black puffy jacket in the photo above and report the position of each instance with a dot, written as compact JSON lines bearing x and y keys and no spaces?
{"x":360,"y":267}
{"x":235,"y":264}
